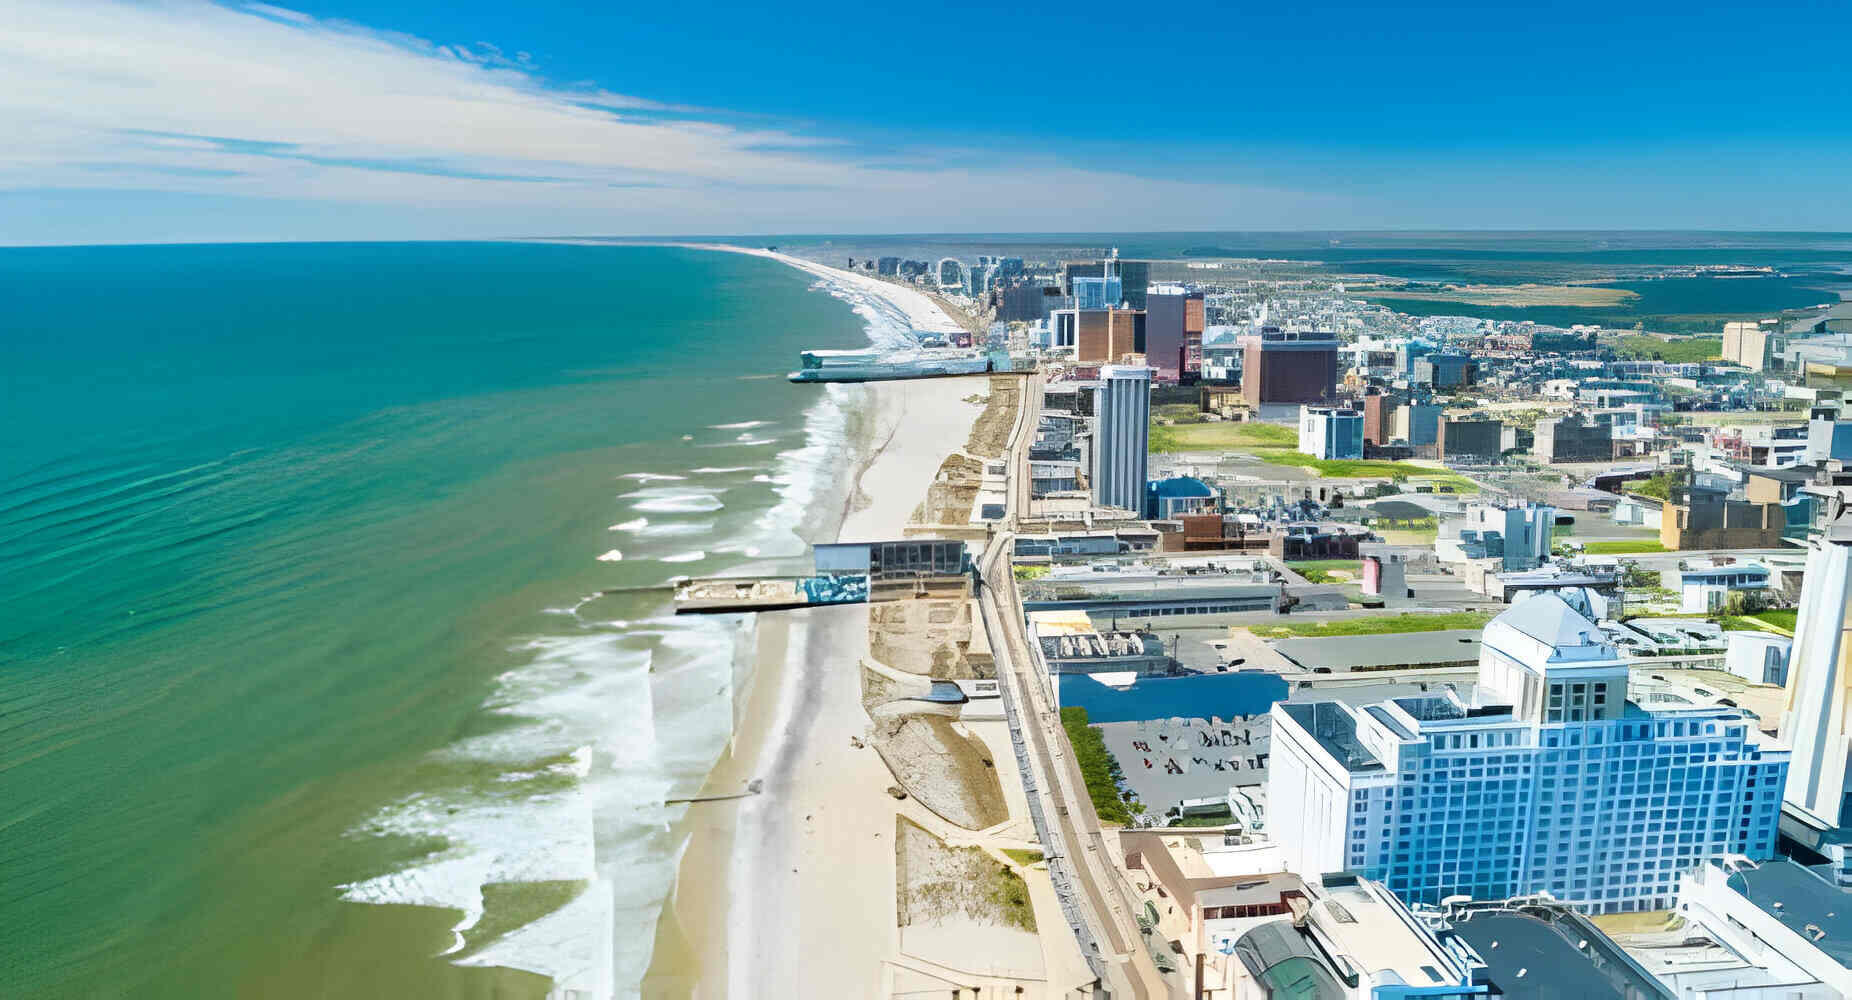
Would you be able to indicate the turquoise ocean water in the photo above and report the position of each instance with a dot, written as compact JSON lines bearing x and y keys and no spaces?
{"x":305,"y":686}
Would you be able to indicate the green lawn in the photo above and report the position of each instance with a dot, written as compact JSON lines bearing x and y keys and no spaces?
{"x":1375,"y":625}
{"x":1097,"y":766}
{"x":1622,"y":547}
{"x":1277,"y":445}
{"x":1782,"y":619}
{"x":1677,"y":351}
{"x":1354,"y":565}
{"x":1221,"y":819}
{"x":1022,"y":857}
{"x":1321,"y":570}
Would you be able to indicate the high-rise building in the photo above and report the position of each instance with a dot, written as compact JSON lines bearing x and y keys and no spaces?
{"x":1443,"y":371}
{"x":1330,"y":432}
{"x":1815,"y":721}
{"x":1289,"y":368}
{"x":1468,"y":439}
{"x":1120,"y":436}
{"x":1174,"y":332}
{"x":888,"y":266}
{"x":1551,"y":780}
{"x":1746,"y":344}
{"x":1134,"y":276}
{"x":1106,"y":336}
{"x":1098,"y":293}
{"x":1379,"y":417}
{"x":1027,"y":302}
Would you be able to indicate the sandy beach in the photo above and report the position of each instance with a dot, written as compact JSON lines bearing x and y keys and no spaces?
{"x":792,"y":891}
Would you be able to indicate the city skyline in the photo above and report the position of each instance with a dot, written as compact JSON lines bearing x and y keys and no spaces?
{"x":415,"y":121}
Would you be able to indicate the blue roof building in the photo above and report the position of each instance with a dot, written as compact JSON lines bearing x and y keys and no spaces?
{"x":1179,"y":495}
{"x":1552,"y":781}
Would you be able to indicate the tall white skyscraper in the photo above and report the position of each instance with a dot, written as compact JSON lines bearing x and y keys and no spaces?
{"x":1814,"y":722}
{"x":1122,"y":429}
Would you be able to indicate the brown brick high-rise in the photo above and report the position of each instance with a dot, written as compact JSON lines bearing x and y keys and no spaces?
{"x":1280,"y":367}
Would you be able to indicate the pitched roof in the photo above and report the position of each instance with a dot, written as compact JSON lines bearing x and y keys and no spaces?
{"x":1549,"y":619}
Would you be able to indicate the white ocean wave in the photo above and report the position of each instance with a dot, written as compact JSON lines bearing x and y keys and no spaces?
{"x":688,"y":503}
{"x":611,"y":556}
{"x":717,"y":470}
{"x":652,"y":477}
{"x":684,"y":557}
{"x":626,"y":715}
{"x":741,"y":426}
{"x":675,"y":529}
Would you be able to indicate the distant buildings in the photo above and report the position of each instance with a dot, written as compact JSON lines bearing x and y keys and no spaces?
{"x":1028,"y":302}
{"x":1746,"y":344}
{"x":1573,"y":439}
{"x":1330,"y":432}
{"x":1706,"y":589}
{"x":1098,"y":293}
{"x":1121,"y":435}
{"x":1550,"y":781}
{"x":1704,"y":518}
{"x":1105,"y":336}
{"x":1170,"y":499}
{"x":1518,"y":535}
{"x":1174,"y":332}
{"x":1379,"y":417}
{"x":1466,"y":440}
{"x":1443,"y":371}
{"x":1419,"y":425}
{"x":1134,"y":276}
{"x":1828,"y":437}
{"x":1281,"y":369}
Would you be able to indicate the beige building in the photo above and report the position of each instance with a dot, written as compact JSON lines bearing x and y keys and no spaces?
{"x":1746,"y":344}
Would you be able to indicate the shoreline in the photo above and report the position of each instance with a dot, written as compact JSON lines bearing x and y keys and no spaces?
{"x":801,"y":709}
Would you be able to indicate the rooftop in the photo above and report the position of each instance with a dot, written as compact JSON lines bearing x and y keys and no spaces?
{"x":1335,"y":729}
{"x":1802,"y":901}
{"x":1448,"y":647}
{"x":1544,"y":953}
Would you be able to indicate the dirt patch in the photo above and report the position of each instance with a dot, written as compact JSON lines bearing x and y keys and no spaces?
{"x":926,"y":637}
{"x":935,"y":883}
{"x":990,"y":435}
{"x":952,"y":492}
{"x":949,"y":771}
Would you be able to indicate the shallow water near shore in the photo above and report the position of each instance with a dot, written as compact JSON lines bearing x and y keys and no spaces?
{"x":305,"y":685}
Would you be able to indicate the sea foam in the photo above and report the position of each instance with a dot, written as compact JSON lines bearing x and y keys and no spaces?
{"x":605,"y":724}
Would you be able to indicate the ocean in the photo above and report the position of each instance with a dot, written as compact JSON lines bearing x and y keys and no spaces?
{"x":334,"y":659}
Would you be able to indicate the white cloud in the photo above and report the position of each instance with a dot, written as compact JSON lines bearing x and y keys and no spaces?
{"x":262,"y":102}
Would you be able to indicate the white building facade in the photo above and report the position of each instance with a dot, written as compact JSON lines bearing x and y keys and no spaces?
{"x":1330,"y":432}
{"x":1553,"y":782}
{"x":1122,"y":429}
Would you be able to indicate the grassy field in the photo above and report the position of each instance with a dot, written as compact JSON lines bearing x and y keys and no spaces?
{"x":1782,"y":619}
{"x":1677,"y":351}
{"x":1628,"y":546}
{"x":1325,"y":570}
{"x":1023,"y":856}
{"x":1374,"y":625}
{"x":1097,"y":766}
{"x":1277,"y":445}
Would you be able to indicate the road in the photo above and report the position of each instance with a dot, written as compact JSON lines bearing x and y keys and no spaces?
{"x":1092,"y":890}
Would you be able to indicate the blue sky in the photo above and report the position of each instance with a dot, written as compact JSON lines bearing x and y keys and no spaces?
{"x":185,"y":120}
